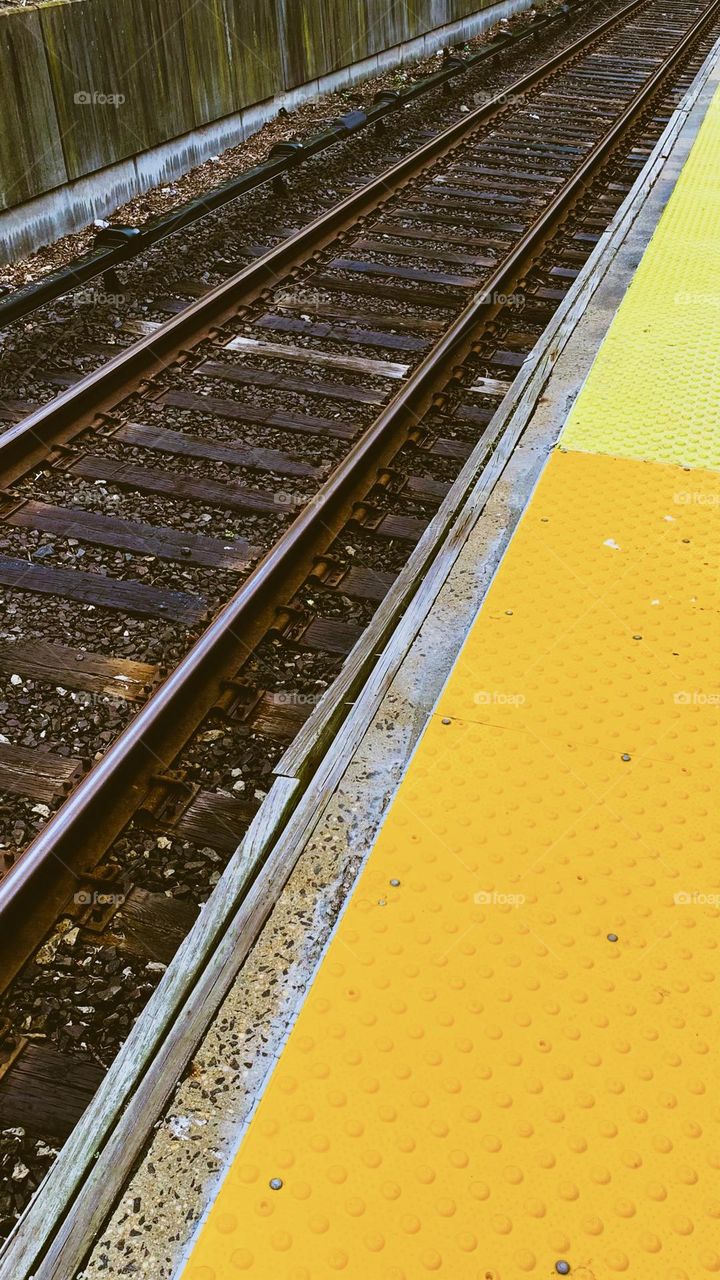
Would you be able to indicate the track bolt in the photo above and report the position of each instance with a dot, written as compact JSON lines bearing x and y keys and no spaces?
{"x":562,"y":1267}
{"x":612,"y":937}
{"x":446,"y":720}
{"x":275,"y":1184}
{"x":625,"y":756}
{"x":395,"y":883}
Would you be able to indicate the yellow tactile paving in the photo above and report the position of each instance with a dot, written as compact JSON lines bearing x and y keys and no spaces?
{"x":507,"y":1064}
{"x":654,"y":391}
{"x":602,"y":626}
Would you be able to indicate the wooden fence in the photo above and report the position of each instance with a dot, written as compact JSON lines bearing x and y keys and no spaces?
{"x":87,"y":83}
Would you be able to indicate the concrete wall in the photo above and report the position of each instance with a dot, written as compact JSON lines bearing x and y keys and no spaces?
{"x":101,"y":99}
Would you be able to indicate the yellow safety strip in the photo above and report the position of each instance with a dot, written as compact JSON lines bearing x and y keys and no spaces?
{"x":654,"y":391}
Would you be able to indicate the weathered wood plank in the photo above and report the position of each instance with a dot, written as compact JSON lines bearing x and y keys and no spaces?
{"x":171,"y":306}
{"x":564,"y":273}
{"x":234,"y":497}
{"x":375,"y":290}
{"x":60,"y":377}
{"x":181,"y":443}
{"x":442,"y":237}
{"x":395,"y":250}
{"x":490,"y":387}
{"x":480,"y":215}
{"x":472,"y":414}
{"x":548,"y":295}
{"x":135,"y":56}
{"x":332,"y":333}
{"x":149,"y":924}
{"x":506,"y":359}
{"x":281,"y":715}
{"x":474,"y":191}
{"x":46,"y":1092}
{"x":140,"y":328}
{"x":426,"y":489}
{"x":538,"y":150}
{"x":244,"y":376}
{"x":238,"y":411}
{"x":307,"y":43}
{"x":407,"y":528}
{"x":215,"y":820}
{"x":232,"y":55}
{"x":405,"y":273}
{"x":40,"y":775}
{"x":322,"y":359}
{"x":31,"y":153}
{"x":107,"y":593}
{"x":446,"y":447}
{"x":330,"y":635}
{"x":380,"y":319}
{"x":133,"y":535}
{"x":15,"y":410}
{"x":361,"y":583}
{"x":58,"y":664}
{"x":484,"y":190}
{"x":524,"y":175}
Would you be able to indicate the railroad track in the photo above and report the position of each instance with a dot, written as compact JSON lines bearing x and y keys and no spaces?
{"x":230,"y":500}
{"x":129,"y":270}
{"x":116,"y":245}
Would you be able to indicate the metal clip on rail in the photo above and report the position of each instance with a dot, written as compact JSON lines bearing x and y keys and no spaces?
{"x":291,"y":152}
{"x":385,"y":101}
{"x":117,"y":236}
{"x":351,"y":122}
{"x":126,"y":240}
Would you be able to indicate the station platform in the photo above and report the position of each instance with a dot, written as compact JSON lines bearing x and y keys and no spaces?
{"x":506,"y":1064}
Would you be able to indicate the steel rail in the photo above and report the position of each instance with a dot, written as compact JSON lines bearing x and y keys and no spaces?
{"x":101,"y":803}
